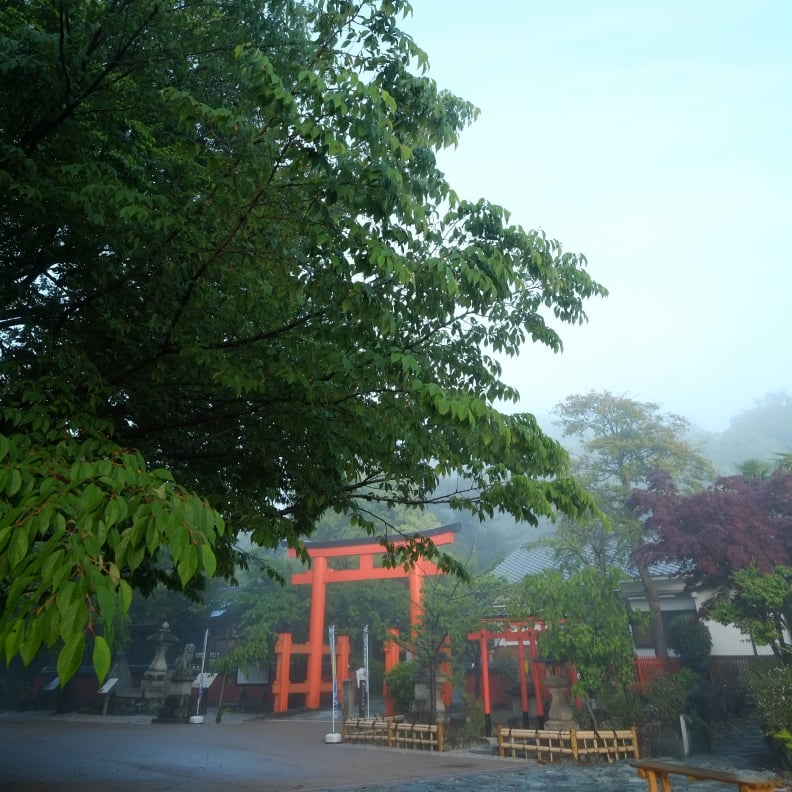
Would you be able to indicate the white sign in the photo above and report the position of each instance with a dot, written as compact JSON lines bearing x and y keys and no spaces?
{"x":109,"y":685}
{"x":204,"y":680}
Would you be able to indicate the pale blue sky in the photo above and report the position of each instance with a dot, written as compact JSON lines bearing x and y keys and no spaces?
{"x":655,"y":138}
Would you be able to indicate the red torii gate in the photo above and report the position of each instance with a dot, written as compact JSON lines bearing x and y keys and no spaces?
{"x":522,"y":632}
{"x":321,"y":573}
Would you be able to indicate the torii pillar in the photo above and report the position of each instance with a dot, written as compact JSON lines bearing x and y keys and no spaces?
{"x":321,"y":573}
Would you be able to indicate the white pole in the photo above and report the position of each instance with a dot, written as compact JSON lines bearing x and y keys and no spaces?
{"x":366,"y":667}
{"x":199,"y":718}
{"x":333,"y":737}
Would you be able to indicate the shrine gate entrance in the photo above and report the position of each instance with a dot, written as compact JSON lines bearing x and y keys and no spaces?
{"x":321,"y":573}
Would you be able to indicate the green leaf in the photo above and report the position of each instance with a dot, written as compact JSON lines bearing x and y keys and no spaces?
{"x":124,"y":596}
{"x":73,"y":618}
{"x":13,"y":639}
{"x":50,"y":625}
{"x":70,"y":657}
{"x":208,"y":560}
{"x":51,"y":564}
{"x":153,"y":537}
{"x":91,"y":498}
{"x":32,"y":643}
{"x":14,"y":483}
{"x":107,"y":603}
{"x":101,"y":658}
{"x":18,"y":546}
{"x":188,"y":565}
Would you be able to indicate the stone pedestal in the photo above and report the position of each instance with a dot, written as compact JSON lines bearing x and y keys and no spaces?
{"x":421,"y":705}
{"x":177,"y":706}
{"x":177,"y":702}
{"x":560,"y":716}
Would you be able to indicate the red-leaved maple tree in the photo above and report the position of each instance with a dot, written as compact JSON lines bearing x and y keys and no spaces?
{"x":736,"y":523}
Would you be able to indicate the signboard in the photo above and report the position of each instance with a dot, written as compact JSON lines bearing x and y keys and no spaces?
{"x":204,"y":680}
{"x":109,"y":685}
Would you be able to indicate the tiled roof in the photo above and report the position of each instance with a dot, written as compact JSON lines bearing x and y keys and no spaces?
{"x":533,"y":559}
{"x":525,"y":561}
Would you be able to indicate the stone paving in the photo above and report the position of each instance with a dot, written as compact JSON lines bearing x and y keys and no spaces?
{"x":530,"y":776}
{"x":565,"y":777}
{"x":568,"y":776}
{"x":547,"y":778}
{"x":258,"y":755}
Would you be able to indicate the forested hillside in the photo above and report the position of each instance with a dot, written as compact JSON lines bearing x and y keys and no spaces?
{"x":760,"y":432}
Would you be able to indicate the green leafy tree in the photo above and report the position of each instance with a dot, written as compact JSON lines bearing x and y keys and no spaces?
{"x":260,"y":608}
{"x":621,"y":442}
{"x":402,"y":518}
{"x":587,"y":622}
{"x":230,"y":266}
{"x":380,"y":604}
{"x":760,"y":604}
{"x":452,"y":609}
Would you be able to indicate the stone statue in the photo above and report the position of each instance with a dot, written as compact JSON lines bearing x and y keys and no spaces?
{"x":182,"y":668}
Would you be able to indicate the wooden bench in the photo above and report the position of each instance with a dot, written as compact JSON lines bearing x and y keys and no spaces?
{"x":655,"y":772}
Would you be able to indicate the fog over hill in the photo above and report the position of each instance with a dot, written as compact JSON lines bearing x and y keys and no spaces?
{"x":760,"y":432}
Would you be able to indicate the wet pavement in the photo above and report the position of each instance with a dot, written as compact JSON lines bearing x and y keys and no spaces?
{"x":64,"y":753}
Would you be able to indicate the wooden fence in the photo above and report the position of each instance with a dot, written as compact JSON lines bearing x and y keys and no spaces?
{"x":726,"y":670}
{"x":549,"y":746}
{"x":647,"y":668}
{"x":394,"y":733}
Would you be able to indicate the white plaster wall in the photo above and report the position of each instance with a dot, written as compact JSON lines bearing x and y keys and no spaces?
{"x":728,"y":639}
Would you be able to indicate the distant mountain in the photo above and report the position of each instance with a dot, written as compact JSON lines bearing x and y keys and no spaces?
{"x":758,"y":433}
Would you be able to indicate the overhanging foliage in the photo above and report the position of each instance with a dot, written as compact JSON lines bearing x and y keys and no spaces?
{"x":228,"y":260}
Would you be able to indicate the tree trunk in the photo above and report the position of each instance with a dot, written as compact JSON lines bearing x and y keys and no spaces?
{"x":655,"y":611}
{"x":433,"y":691}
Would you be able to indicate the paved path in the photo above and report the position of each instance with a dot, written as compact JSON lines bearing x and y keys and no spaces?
{"x":62,"y":753}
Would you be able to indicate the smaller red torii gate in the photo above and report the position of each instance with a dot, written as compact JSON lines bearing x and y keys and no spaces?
{"x":321,"y":573}
{"x":522,"y":632}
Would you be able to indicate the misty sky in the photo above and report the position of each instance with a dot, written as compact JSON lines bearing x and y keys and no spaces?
{"x":655,"y":138}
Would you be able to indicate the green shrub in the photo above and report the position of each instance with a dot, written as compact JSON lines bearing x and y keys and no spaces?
{"x":474,"y":718}
{"x":401,"y":685}
{"x":667,"y":694}
{"x":691,"y":640}
{"x":620,"y":708}
{"x":769,"y":690}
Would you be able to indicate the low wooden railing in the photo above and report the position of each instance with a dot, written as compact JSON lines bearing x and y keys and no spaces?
{"x":394,"y":733}
{"x":369,"y":730}
{"x":549,"y":746}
